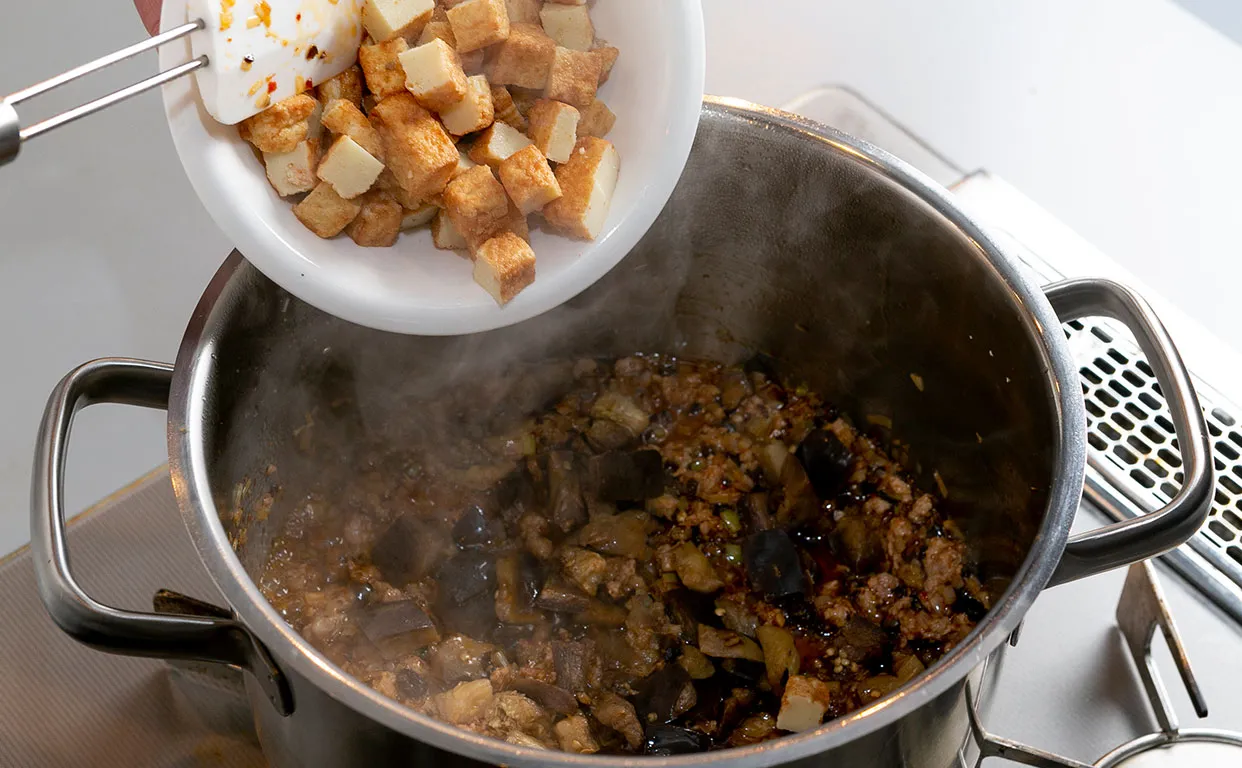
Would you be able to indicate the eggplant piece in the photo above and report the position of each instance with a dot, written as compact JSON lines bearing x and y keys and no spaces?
{"x":723,"y":644}
{"x":744,"y":672}
{"x":601,"y":614}
{"x":665,"y":696}
{"x":735,"y":387}
{"x":627,"y":476}
{"x":739,"y":702}
{"x":568,"y":510}
{"x":866,"y":643}
{"x":799,"y":502}
{"x":780,"y":654}
{"x":570,"y":660}
{"x":828,"y":463}
{"x":409,"y":550}
{"x":621,"y":410}
{"x":604,"y":435}
{"x":698,"y":666}
{"x":466,"y":575}
{"x":856,"y":544}
{"x":517,"y":586}
{"x":410,"y":684}
{"x":624,"y":535}
{"x":460,"y":658}
{"x":694,"y":569}
{"x":737,"y":617}
{"x":669,"y":740}
{"x":560,"y":597}
{"x":475,"y":617}
{"x":773,"y":564}
{"x":753,"y":730}
{"x":619,"y":715}
{"x":397,"y":629}
{"x":688,"y":610}
{"x":475,"y":528}
{"x":551,"y":697}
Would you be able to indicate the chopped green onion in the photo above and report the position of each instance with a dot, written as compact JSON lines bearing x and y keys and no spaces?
{"x":731,"y":521}
{"x":733,"y":553}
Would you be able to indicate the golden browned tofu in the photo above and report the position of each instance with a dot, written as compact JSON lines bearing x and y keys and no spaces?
{"x":381,"y":66}
{"x":528,"y":180}
{"x":326,"y":213}
{"x":503,"y":266}
{"x":434,"y":75}
{"x":607,"y":56}
{"x":587,"y":181}
{"x":386,"y":19}
{"x":479,"y":23}
{"x":281,"y":126}
{"x":417,"y":149}
{"x":473,"y":112}
{"x":387,"y":182}
{"x":497,"y":143}
{"x":504,"y":110}
{"x":569,"y":25}
{"x":344,"y":117}
{"x":524,"y":59}
{"x":525,"y":98}
{"x":378,"y":222}
{"x":347,"y":86}
{"x":574,"y":77}
{"x":476,"y":204}
{"x":444,"y":235}
{"x":597,"y":120}
{"x":438,"y":30}
{"x":516,"y":223}
{"x":523,"y":11}
{"x":553,"y":128}
{"x":292,"y":173}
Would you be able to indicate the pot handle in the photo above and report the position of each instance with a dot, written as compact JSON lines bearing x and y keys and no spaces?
{"x":1129,"y":541}
{"x":129,"y":633}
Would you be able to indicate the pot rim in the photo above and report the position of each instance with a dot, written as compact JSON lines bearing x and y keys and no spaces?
{"x":187,"y":462}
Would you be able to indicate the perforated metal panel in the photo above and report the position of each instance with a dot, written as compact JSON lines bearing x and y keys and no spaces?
{"x":1134,"y":447}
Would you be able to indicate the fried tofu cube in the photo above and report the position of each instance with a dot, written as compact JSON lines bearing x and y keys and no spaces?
{"x":803,"y":704}
{"x":347,"y":86}
{"x":607,"y":56}
{"x":292,"y":173}
{"x":523,"y":11}
{"x":597,"y":120}
{"x":568,"y":2}
{"x":381,"y":65}
{"x":444,"y":235}
{"x":434,"y":75}
{"x":569,"y":25}
{"x":474,"y":62}
{"x":418,"y":217}
{"x":416,"y":147}
{"x":574,"y":77}
{"x":587,"y":181}
{"x":342,"y":117}
{"x":528,"y":179}
{"x":476,"y":204}
{"x":497,"y":143}
{"x":473,"y":112}
{"x":314,"y":122}
{"x":503,"y":266}
{"x":378,"y":222}
{"x":280,"y":127}
{"x":464,"y":163}
{"x":350,"y":169}
{"x":387,"y":182}
{"x":554,"y":129}
{"x":525,"y":98}
{"x":516,"y":223}
{"x":324,"y":212}
{"x":386,"y":19}
{"x":479,"y":23}
{"x":505,"y":110}
{"x":438,"y":30}
{"x":524,"y":59}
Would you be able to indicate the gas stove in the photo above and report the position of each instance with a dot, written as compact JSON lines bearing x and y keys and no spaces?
{"x":1073,"y":688}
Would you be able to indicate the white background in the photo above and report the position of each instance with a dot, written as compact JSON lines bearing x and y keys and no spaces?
{"x":1122,"y":117}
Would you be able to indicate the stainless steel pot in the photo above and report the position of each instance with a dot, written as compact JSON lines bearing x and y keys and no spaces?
{"x":858,"y":275}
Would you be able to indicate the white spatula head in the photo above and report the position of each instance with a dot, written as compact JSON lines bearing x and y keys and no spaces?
{"x":262,"y":52}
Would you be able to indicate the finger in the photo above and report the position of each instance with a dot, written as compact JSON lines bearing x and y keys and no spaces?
{"x":149,"y":12}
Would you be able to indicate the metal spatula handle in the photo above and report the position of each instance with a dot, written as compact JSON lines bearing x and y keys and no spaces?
{"x":12,"y":134}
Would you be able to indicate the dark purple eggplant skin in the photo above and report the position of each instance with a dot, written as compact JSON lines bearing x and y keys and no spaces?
{"x":667,"y":740}
{"x":773,"y":564}
{"x":380,"y":621}
{"x":409,"y":550}
{"x":627,"y":476}
{"x":568,"y":510}
{"x":467,"y":575}
{"x":476,"y":528}
{"x":557,"y":595}
{"x":662,"y":697}
{"x":828,"y":463}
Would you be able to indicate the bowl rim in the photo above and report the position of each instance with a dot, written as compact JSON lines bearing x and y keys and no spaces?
{"x":328,"y":287}
{"x":195,"y":369}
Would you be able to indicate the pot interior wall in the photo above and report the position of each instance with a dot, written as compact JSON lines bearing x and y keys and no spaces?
{"x":776,"y":241}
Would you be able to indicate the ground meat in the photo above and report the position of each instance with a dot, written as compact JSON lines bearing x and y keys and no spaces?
{"x":665,"y":543}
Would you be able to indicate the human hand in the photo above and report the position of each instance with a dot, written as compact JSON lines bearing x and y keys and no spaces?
{"x":149,"y":12}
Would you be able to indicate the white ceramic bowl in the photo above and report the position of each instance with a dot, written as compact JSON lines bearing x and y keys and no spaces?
{"x":656,"y":91}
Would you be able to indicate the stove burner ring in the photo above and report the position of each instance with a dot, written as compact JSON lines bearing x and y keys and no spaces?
{"x":1204,"y":747}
